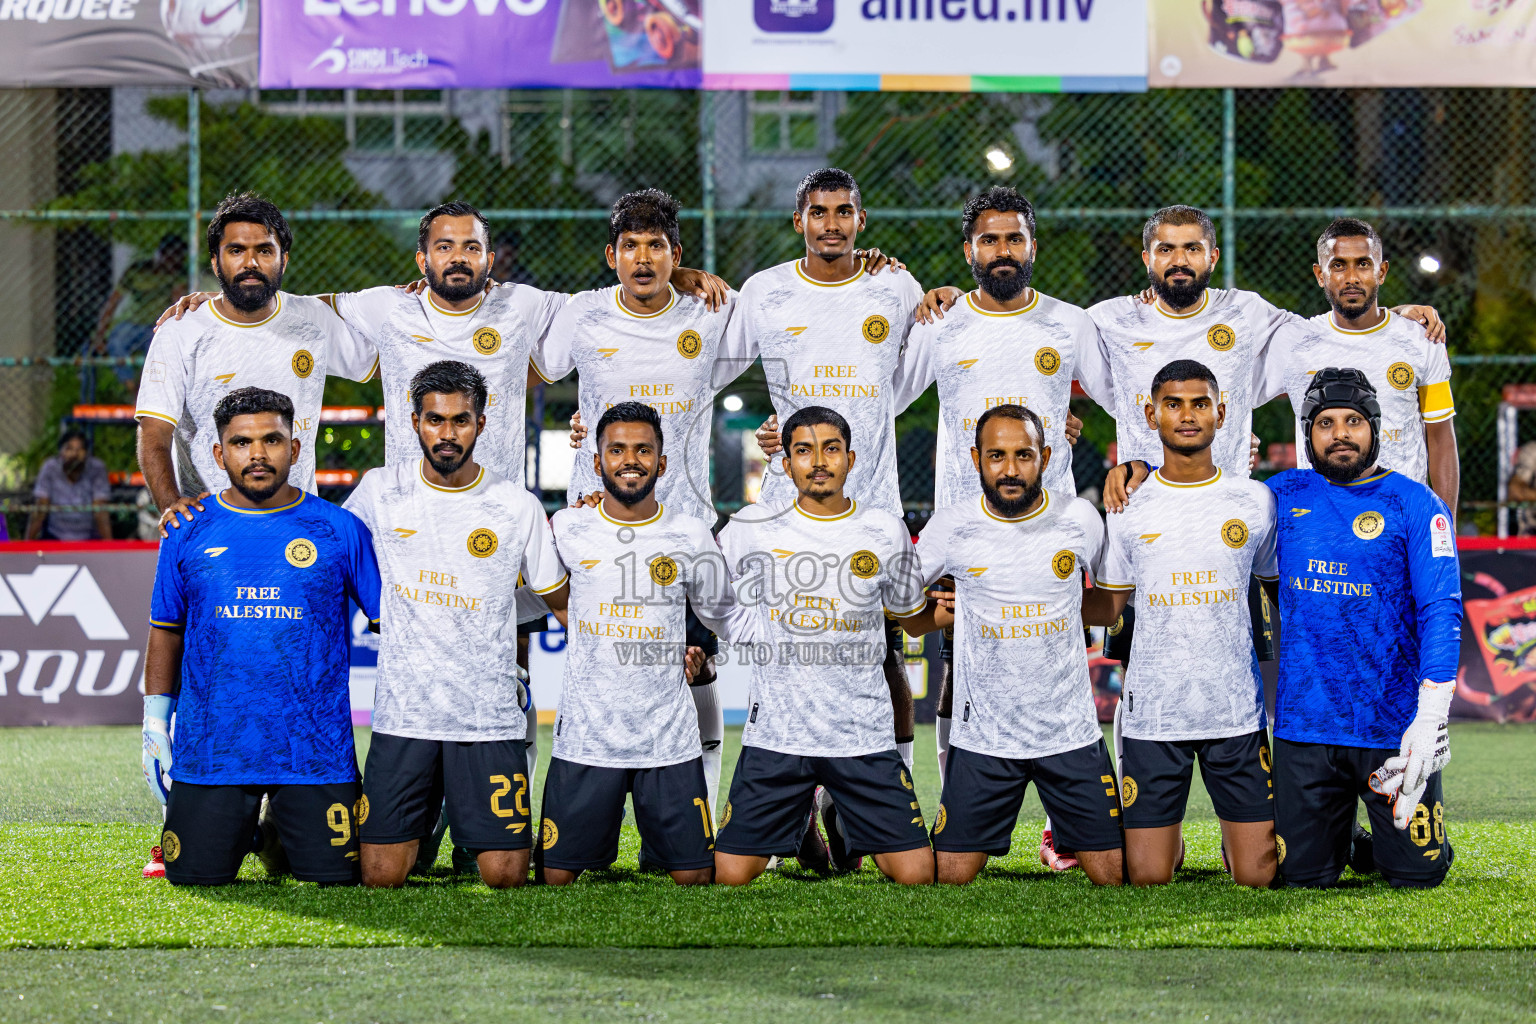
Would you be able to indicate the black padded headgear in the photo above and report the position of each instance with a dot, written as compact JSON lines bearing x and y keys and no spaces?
{"x":1341,"y":388}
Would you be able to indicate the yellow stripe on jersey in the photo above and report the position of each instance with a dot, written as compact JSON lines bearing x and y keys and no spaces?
{"x":554,"y":586}
{"x":1435,"y":403}
{"x":829,"y":284}
{"x":140,"y":413}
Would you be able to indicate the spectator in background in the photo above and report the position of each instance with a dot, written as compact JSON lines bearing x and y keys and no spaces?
{"x":72,"y":477}
{"x":1522,"y":487}
{"x":127,"y":320}
{"x":507,"y":269}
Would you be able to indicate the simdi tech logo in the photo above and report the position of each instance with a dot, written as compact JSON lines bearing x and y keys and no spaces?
{"x":793,"y":15}
{"x":63,"y":592}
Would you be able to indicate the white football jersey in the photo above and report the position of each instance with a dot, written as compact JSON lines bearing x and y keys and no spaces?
{"x":496,"y":336}
{"x":1188,"y":550}
{"x":451,"y":560}
{"x":1229,"y":332}
{"x":624,"y":702}
{"x":674,"y":361}
{"x":818,"y":589}
{"x":195,"y":361}
{"x":981,"y":359}
{"x":1412,"y":376}
{"x":833,"y":345}
{"x":1021,"y":686}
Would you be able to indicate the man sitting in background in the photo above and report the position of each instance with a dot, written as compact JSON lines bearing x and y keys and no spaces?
{"x":73,"y":477}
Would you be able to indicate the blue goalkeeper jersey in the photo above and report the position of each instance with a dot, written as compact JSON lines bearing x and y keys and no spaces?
{"x":1370,"y":605}
{"x":262,"y":599}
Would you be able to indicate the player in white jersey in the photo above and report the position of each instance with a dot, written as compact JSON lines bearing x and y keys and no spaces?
{"x":251,"y":335}
{"x":820,"y":580}
{"x":1411,"y":374}
{"x":626,"y":724}
{"x":1187,"y":546}
{"x":454,"y":540}
{"x":1019,"y":554}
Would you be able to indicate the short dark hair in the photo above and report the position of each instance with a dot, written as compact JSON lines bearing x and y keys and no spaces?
{"x":456,"y":208}
{"x":814,"y":416}
{"x":249,"y":402}
{"x":1348,"y":227}
{"x":1010,"y":411}
{"x":1177,"y":216}
{"x":649,"y":209}
{"x":1184,"y":369}
{"x":247,"y":208}
{"x":1001,"y":198}
{"x":828,"y":179}
{"x":72,"y":434}
{"x":449,"y":377}
{"x":628,"y":412}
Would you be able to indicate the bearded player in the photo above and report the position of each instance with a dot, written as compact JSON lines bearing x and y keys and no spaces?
{"x":454,"y":541}
{"x":820,"y":580}
{"x":1370,"y":597}
{"x":1019,"y":554}
{"x":248,"y":655}
{"x":1187,"y":547}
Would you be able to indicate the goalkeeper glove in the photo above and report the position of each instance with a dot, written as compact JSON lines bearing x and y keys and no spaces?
{"x":1425,"y":749}
{"x":158,"y":709}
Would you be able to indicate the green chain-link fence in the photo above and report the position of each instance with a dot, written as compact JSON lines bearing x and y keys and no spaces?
{"x":103,"y":193}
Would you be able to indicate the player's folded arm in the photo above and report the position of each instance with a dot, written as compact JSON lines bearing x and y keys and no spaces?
{"x":1104,"y":603}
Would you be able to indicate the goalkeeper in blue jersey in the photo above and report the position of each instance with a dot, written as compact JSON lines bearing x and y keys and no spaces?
{"x":248,"y":651}
{"x":1370,"y":603}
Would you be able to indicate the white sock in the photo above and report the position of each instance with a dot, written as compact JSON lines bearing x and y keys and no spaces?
{"x":943,"y":722}
{"x":531,"y":742}
{"x":904,"y":748}
{"x":706,"y":701}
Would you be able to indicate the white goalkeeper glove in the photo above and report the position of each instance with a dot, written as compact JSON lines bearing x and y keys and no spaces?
{"x":1425,"y":749}
{"x":158,"y":709}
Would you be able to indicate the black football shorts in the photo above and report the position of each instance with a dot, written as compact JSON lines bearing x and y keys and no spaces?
{"x":209,"y":830}
{"x":1155,"y":777}
{"x":407,"y":781}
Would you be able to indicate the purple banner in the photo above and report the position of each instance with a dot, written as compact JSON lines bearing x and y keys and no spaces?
{"x":480,"y":44}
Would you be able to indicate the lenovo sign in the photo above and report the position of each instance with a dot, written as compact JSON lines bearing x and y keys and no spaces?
{"x":73,"y":623}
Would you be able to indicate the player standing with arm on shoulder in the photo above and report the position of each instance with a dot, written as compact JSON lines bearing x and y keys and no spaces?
{"x":248,"y":651}
{"x":819,"y":582}
{"x":627,"y":725}
{"x":1187,"y":547}
{"x":1370,"y":598}
{"x":1018,"y":553}
{"x":250,"y":335}
{"x":1410,"y":374}
{"x":454,"y":541}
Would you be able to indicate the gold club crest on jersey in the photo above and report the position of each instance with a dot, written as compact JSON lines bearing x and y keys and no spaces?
{"x":550,"y":834}
{"x":1368,"y":525}
{"x":876,"y":329}
{"x":864,"y":564}
{"x":689,"y":344}
{"x":1400,"y":376}
{"x":1234,"y":532}
{"x":482,"y":543}
{"x":1127,"y":791}
{"x":487,"y":341}
{"x":301,"y":553}
{"x":1048,"y":361}
{"x":170,"y":846}
{"x":1062,"y":564}
{"x":663,"y":571}
{"x":303,"y":363}
{"x":1221,"y":337}
{"x":360,"y":810}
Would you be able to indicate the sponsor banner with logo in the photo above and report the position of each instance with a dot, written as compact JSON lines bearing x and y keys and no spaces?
{"x":1497,"y":675}
{"x":1248,"y":43}
{"x":127,"y":42}
{"x":928,"y":45}
{"x":480,"y":44}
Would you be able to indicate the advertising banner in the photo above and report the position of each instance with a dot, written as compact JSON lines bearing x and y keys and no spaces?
{"x":928,"y":45}
{"x":127,"y":42}
{"x":1497,"y":676}
{"x":480,"y":44}
{"x":1249,"y":43}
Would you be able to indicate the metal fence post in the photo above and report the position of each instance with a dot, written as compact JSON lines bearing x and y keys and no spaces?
{"x":194,"y":187}
{"x":1229,"y":187}
{"x":707,"y":169}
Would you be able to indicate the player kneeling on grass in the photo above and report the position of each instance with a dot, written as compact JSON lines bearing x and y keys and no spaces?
{"x":453,"y":539}
{"x":248,"y":650}
{"x":819,"y":579}
{"x":1186,"y":545}
{"x":1024,"y":701}
{"x":627,"y":724}
{"x":1370,"y":598}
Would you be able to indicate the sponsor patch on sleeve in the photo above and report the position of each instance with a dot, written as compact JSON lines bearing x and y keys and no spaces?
{"x":1442,"y":544}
